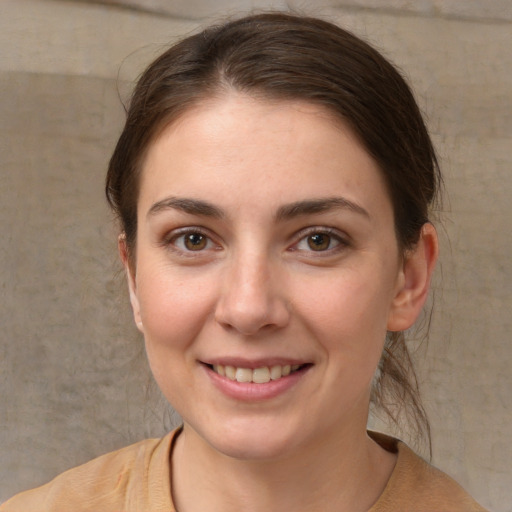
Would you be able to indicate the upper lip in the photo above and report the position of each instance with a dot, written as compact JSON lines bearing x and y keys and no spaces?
{"x":240,"y":362}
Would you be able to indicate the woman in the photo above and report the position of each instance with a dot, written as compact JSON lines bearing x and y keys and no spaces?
{"x":273,"y":183}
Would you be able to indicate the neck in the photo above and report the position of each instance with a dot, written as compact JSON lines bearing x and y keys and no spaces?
{"x":344,"y":472}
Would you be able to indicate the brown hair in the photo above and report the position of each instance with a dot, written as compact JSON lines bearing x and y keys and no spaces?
{"x":283,"y":56}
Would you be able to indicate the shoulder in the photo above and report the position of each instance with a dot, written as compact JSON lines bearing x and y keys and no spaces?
{"x":120,"y":480}
{"x":417,"y":486}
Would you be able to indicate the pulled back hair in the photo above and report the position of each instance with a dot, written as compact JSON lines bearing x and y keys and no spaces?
{"x":281,"y":56}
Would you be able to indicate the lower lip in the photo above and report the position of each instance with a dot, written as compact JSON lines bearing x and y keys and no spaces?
{"x":252,"y":392}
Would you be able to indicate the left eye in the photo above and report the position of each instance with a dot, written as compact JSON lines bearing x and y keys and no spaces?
{"x":318,"y":242}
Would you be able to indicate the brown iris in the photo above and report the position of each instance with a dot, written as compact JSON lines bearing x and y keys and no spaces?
{"x":195,"y":241}
{"x":319,"y":242}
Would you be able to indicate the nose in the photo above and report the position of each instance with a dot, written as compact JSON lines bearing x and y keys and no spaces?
{"x":252,"y":298}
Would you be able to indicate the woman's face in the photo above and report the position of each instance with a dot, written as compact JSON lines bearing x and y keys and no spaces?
{"x":265,"y":245}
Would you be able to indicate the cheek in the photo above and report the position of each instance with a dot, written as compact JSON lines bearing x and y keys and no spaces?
{"x":348,"y":315}
{"x":173,"y":311}
{"x":173,"y":308}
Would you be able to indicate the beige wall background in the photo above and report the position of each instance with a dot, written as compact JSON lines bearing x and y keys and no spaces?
{"x":72,"y":371}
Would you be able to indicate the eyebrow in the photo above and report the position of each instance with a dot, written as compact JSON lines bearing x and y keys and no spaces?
{"x":285,"y":212}
{"x":321,"y":205}
{"x":191,"y":206}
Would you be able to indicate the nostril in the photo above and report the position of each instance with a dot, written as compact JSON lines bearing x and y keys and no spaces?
{"x":250,"y":302}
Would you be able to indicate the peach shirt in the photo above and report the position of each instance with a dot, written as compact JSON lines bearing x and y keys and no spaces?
{"x":137,"y":479}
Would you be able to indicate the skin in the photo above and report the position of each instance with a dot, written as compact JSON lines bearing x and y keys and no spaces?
{"x":257,"y":288}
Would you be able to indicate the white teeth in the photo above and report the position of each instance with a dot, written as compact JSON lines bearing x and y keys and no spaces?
{"x":275,"y":372}
{"x":230,"y":372}
{"x":219,"y":369}
{"x":261,"y":375}
{"x":258,"y":375}
{"x":243,"y":375}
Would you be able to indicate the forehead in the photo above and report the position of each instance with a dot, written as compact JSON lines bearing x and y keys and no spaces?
{"x":262,"y":150}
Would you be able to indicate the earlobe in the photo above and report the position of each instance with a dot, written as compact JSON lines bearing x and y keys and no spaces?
{"x":414,"y":281}
{"x":130,"y":277}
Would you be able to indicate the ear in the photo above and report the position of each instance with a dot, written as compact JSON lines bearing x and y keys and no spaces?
{"x":413,"y":281}
{"x":130,"y":277}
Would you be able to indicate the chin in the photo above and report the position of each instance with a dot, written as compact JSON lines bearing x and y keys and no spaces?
{"x":251,"y":439}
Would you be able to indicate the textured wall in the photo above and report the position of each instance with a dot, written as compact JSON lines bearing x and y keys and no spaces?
{"x":72,"y":373}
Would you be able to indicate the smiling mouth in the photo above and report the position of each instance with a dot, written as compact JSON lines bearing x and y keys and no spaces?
{"x":257,"y":375}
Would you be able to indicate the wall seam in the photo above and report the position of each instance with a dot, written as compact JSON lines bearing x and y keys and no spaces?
{"x":350,"y":8}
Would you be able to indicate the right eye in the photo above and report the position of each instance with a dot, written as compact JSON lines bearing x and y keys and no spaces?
{"x":192,"y":241}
